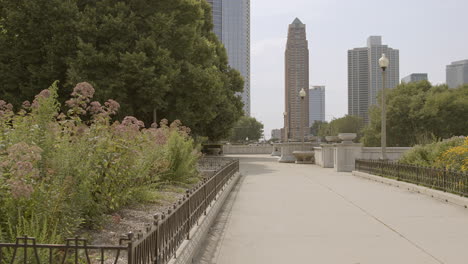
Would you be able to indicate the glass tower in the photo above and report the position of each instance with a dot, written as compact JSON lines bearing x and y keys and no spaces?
{"x":231,"y":19}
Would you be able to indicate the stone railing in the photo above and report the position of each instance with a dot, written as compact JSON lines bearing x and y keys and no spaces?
{"x":342,"y":157}
{"x":247,"y":149}
{"x":393,"y":153}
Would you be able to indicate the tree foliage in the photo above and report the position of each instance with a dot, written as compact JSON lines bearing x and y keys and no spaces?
{"x":247,"y":127}
{"x":346,"y":124}
{"x":419,"y":113}
{"x":148,"y":55}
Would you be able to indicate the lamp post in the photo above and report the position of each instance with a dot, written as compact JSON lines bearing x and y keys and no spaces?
{"x":302,"y":94}
{"x":383,"y":63}
{"x":286,"y":127}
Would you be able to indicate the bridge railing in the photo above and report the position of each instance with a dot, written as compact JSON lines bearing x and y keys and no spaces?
{"x":157,"y":244}
{"x":441,"y":179}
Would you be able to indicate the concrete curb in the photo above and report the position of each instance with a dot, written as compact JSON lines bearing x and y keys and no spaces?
{"x":440,"y":195}
{"x":189,"y":248}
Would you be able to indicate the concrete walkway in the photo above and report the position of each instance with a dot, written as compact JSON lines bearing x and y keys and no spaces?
{"x":288,"y":213}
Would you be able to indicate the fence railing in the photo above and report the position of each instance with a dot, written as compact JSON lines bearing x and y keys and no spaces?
{"x":441,"y":179}
{"x":156,"y":244}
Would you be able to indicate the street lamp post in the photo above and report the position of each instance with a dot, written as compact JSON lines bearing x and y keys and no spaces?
{"x":383,"y":63}
{"x":302,"y":94}
{"x":286,"y":127}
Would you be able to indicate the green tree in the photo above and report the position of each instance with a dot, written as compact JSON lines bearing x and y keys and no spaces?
{"x":149,"y":55}
{"x":247,"y":127}
{"x":419,"y":113}
{"x":37,"y":37}
{"x":315,"y":128}
{"x":346,"y":124}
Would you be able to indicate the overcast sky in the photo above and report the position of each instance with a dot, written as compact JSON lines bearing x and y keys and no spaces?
{"x":429,"y":34}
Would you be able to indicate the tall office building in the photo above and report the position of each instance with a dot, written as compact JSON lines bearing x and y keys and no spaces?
{"x":316,"y":104}
{"x":276,"y":134}
{"x":457,"y":74}
{"x":415,"y":77}
{"x":365,"y":75}
{"x":231,"y":19}
{"x":296,"y":78}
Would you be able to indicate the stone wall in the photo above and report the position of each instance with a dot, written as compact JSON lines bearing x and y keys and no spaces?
{"x":342,"y":157}
{"x":247,"y":149}
{"x":393,"y":153}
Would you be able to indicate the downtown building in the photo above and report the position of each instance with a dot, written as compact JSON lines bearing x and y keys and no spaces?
{"x":316,"y":104}
{"x":365,"y":75}
{"x":296,"y":114}
{"x":415,"y":77}
{"x":276,"y":134}
{"x":457,"y":74}
{"x":231,"y":23}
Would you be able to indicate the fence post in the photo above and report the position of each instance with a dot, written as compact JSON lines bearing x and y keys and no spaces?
{"x":189,"y":214}
{"x":130,"y":248}
{"x":398,"y":171}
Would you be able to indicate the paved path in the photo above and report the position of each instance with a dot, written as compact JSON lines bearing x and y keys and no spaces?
{"x":288,"y":213}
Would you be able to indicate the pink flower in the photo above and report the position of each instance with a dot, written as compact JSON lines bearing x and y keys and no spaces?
{"x":26,"y":105}
{"x":83,"y":89}
{"x":112,"y":106}
{"x":95,"y":108}
{"x":42,"y":95}
{"x":20,"y":189}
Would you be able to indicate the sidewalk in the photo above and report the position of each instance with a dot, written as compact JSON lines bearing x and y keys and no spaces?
{"x":288,"y":213}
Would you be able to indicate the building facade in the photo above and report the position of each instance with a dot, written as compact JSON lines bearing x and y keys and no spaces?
{"x":415,"y":77}
{"x":276,"y":134}
{"x":231,"y":19}
{"x":457,"y":74}
{"x":365,"y":75}
{"x":296,"y":115}
{"x":316,"y":104}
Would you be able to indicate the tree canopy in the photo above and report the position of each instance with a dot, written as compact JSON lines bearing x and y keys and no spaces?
{"x":419,"y":113}
{"x":346,"y":124}
{"x":148,"y":55}
{"x":247,"y":127}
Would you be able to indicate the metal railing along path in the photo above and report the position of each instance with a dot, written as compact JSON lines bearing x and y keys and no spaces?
{"x":156,"y":244}
{"x":436,"y":178}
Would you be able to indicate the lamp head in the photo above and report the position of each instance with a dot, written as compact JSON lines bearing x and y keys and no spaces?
{"x":384,"y":62}
{"x":302,"y":93}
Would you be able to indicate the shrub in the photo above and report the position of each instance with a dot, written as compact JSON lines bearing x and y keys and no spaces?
{"x":429,"y":154}
{"x":63,"y":170}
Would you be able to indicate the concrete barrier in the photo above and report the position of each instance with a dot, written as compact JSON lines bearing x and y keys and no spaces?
{"x":247,"y":149}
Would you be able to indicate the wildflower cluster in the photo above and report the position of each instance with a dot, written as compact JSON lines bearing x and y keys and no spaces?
{"x":62,"y":170}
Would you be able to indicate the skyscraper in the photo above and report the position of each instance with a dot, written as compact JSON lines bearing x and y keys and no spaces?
{"x":231,"y":19}
{"x":296,"y":78}
{"x":457,"y":74}
{"x":415,"y":77}
{"x":365,"y":75}
{"x":316,"y":104}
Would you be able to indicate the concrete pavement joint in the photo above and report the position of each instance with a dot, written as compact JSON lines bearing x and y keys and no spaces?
{"x":376,"y":219}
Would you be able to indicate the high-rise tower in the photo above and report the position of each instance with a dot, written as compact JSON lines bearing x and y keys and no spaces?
{"x":231,"y":19}
{"x":296,"y":78}
{"x":316,"y":104}
{"x":365,"y":75}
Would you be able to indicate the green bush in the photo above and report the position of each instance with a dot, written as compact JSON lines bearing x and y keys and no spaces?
{"x":428,"y":154}
{"x":60,"y":171}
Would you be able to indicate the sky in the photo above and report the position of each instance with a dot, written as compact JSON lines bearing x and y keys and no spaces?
{"x":430,"y":34}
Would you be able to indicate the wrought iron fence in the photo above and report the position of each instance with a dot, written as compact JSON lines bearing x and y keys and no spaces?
{"x":441,"y":179}
{"x":157,"y":244}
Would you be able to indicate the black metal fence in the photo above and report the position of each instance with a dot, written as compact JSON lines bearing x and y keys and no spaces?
{"x":441,"y":179}
{"x":156,"y":244}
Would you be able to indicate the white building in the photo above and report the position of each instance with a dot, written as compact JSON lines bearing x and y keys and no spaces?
{"x":457,"y":74}
{"x":415,"y":77}
{"x":316,"y":104}
{"x":365,"y":75}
